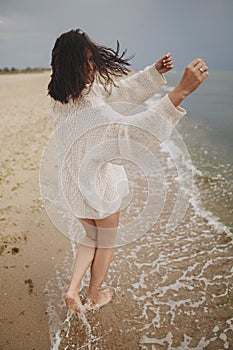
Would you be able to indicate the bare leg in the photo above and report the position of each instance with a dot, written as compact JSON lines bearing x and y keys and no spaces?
{"x":106,"y":231}
{"x":85,"y":255}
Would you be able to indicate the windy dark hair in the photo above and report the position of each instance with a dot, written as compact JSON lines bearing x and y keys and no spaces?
{"x":69,"y":62}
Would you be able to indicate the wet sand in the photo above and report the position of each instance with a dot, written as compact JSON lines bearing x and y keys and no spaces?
{"x":171,"y":290}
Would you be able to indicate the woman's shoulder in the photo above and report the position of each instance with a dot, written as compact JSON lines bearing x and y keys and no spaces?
{"x":91,"y":96}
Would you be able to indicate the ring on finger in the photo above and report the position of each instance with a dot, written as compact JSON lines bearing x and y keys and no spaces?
{"x":201,"y":70}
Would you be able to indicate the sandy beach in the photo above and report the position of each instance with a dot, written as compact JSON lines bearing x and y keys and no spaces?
{"x":172,"y":290}
{"x":29,"y":243}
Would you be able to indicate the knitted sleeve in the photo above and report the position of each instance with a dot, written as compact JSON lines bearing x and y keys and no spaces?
{"x":152,"y":125}
{"x":138,"y":87}
{"x":103,"y":134}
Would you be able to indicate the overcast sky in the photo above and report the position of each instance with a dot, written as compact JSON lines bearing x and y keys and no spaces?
{"x":147,"y":28}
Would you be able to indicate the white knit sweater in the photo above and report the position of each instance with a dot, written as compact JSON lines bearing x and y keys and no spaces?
{"x":95,"y":134}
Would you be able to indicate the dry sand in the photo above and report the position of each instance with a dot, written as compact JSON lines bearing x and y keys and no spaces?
{"x":30,"y":244}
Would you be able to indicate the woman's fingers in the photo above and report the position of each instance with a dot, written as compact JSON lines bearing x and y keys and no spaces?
{"x":193,"y":76}
{"x":201,"y":66}
{"x":198,"y":64}
{"x":201,"y":69}
{"x":197,"y":67}
{"x":167,"y":60}
{"x":165,"y":63}
{"x":195,"y":62}
{"x":167,"y":57}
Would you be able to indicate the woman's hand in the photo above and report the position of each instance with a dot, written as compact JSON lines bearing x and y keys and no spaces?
{"x":195,"y":73}
{"x":164,"y":64}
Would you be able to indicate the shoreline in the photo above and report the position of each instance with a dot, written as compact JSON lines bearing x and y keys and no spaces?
{"x":172,"y":287}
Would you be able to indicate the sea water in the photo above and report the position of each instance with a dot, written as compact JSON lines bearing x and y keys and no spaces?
{"x":208,"y":133}
{"x":172,"y":290}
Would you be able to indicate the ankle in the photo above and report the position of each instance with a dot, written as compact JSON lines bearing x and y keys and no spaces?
{"x":73,"y":291}
{"x":93,"y":292}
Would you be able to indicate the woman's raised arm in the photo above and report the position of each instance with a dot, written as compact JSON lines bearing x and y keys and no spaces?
{"x":138,"y":87}
{"x":195,"y":73}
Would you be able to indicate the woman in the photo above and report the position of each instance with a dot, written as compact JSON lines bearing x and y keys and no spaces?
{"x":83,"y":79}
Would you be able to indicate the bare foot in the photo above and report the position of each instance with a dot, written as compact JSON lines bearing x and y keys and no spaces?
{"x":73,"y":302}
{"x":102,"y":298}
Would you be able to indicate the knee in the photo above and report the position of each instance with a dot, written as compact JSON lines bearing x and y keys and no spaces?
{"x":92,"y":233}
{"x":106,"y":237}
{"x":89,"y":242}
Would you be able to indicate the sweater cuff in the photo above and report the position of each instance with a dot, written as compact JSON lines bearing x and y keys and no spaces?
{"x":157,"y":78}
{"x":169,"y":111}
